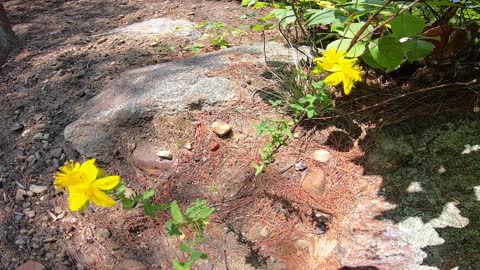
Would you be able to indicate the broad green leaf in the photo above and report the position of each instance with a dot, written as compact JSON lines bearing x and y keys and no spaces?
{"x":285,"y":16}
{"x":417,"y":49}
{"x":387,"y":52}
{"x":176,"y":212}
{"x":343,"y":44}
{"x":352,"y":29}
{"x":367,"y":58}
{"x":324,"y":16}
{"x":407,"y":25}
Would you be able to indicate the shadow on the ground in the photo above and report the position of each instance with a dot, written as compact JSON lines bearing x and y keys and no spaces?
{"x":426,"y":169}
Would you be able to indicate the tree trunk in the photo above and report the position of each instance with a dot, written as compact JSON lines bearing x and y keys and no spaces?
{"x":7,"y":37}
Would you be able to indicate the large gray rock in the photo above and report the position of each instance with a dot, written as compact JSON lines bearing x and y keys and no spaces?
{"x":159,"y":27}
{"x":7,"y":37}
{"x":167,"y":88}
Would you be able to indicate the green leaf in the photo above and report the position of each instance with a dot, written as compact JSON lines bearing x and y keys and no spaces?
{"x":257,"y":27}
{"x":148,"y":194}
{"x":176,"y":212}
{"x":310,"y":113}
{"x":128,"y":203}
{"x":352,"y":29}
{"x":286,"y":16}
{"x":417,"y":49}
{"x":172,"y":229}
{"x":407,"y":25}
{"x":322,"y":16}
{"x":343,"y":44}
{"x":258,"y":168}
{"x":297,"y":107}
{"x":180,"y":266}
{"x":318,"y":84}
{"x":367,"y":58}
{"x":387,"y":52}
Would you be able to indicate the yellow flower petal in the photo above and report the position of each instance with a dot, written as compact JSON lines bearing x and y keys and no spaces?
{"x":347,"y":86}
{"x":77,"y":199}
{"x":334,"y":79}
{"x":100,"y":198}
{"x":89,"y":170}
{"x":107,"y":183}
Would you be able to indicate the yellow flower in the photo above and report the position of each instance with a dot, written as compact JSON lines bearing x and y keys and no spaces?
{"x":85,"y":182}
{"x":343,"y":70}
{"x":326,"y":4}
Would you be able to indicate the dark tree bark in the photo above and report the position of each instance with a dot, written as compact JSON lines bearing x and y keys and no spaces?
{"x":7,"y":37}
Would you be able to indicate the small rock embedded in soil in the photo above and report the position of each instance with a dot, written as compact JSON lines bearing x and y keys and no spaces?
{"x":188,"y":146}
{"x":31,"y":265}
{"x":38,"y":189}
{"x":17,"y":127}
{"x":221,"y":129}
{"x":56,"y":153}
{"x":214,"y":146}
{"x":315,"y":182}
{"x":165,"y":154}
{"x":322,"y":155}
{"x":21,"y":194}
{"x":104,"y":233}
{"x":130,"y":265}
{"x":299,"y":166}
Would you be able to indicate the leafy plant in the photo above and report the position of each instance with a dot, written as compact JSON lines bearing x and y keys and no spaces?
{"x":195,"y":218}
{"x":278,"y":131}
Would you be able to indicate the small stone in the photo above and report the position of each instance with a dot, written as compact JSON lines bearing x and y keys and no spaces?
{"x":322,"y":155}
{"x":214,"y":146}
{"x":49,"y":240}
{"x":21,"y":194}
{"x":56,"y":153}
{"x":299,"y":166}
{"x":80,"y":266}
{"x":29,"y":213}
{"x":46,"y":136}
{"x":315,"y":182}
{"x":31,"y":159}
{"x":38,"y":136}
{"x":17,"y":127}
{"x":20,"y":242}
{"x":188,"y":146}
{"x":104,"y":233}
{"x":23,"y":231}
{"x":58,"y":210}
{"x":38,"y":189}
{"x":102,"y":40}
{"x":165,"y":154}
{"x":31,"y":232}
{"x":221,"y":129}
{"x":196,"y":159}
{"x":301,"y":244}
{"x":129,"y":193}
{"x":264,"y":231}
{"x":31,"y":265}
{"x":130,"y":265}
{"x":26,"y":204}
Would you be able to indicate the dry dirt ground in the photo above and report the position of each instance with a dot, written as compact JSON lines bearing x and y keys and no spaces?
{"x":261,"y":223}
{"x":45,"y":84}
